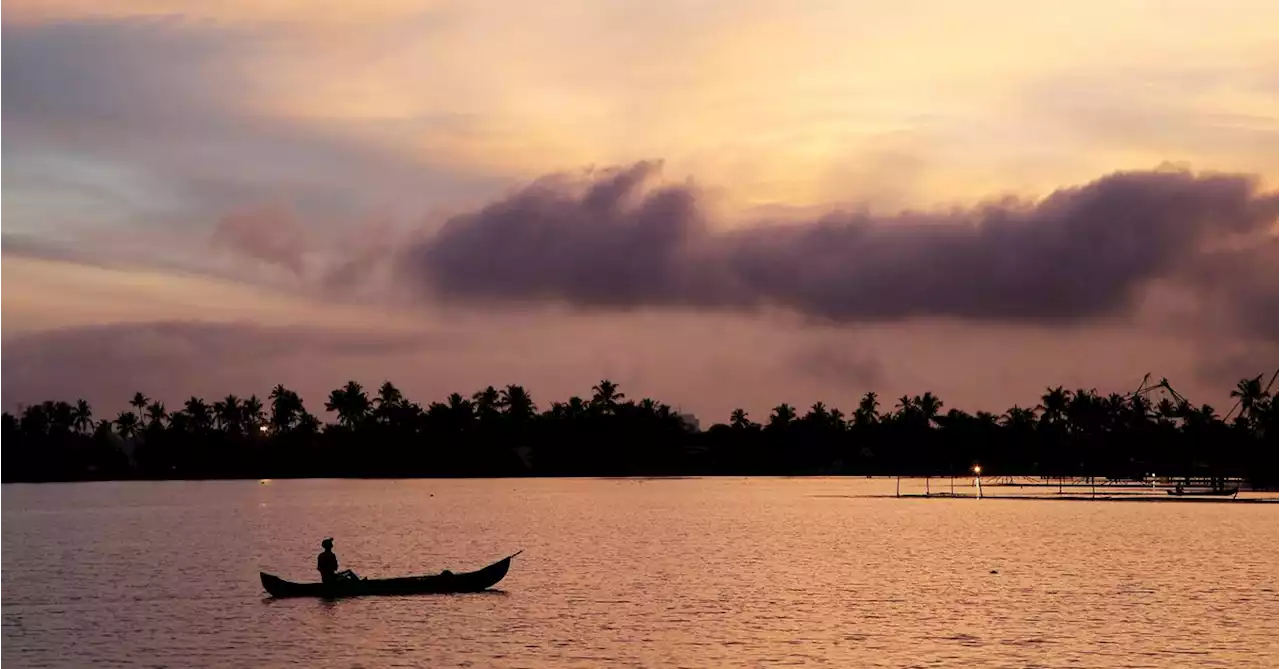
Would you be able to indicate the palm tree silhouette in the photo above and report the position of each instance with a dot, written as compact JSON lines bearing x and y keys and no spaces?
{"x":228,"y":414}
{"x":388,"y":404}
{"x":155,"y":415}
{"x":1249,"y":394}
{"x":286,"y":409}
{"x":351,"y":404}
{"x":866,"y":413}
{"x":127,"y":424}
{"x":907,"y":409}
{"x":605,"y":396}
{"x":486,"y":402}
{"x":782,"y":417}
{"x":139,"y":402}
{"x":1078,"y":432}
{"x":1054,"y":405}
{"x":253,"y":415}
{"x":199,"y":414}
{"x":83,"y":416}
{"x":1019,"y":418}
{"x":929,"y":406}
{"x":738,"y":420}
{"x":516,"y":403}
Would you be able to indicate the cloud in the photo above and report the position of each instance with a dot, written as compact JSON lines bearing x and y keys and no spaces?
{"x":227,"y":12}
{"x":1082,"y":254}
{"x":174,"y":359}
{"x":27,"y":246}
{"x":163,"y":122}
{"x":272,"y":235}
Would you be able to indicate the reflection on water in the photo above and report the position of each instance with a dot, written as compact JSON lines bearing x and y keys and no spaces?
{"x":701,"y":572}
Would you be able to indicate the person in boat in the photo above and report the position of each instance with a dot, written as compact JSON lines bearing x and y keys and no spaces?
{"x":327,"y":564}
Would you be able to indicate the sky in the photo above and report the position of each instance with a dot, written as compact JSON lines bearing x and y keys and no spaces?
{"x":714,"y":203}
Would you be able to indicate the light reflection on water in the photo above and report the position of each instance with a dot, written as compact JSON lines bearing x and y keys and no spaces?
{"x":698,"y":572}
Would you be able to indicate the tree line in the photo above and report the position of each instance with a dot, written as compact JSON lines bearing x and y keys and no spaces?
{"x":502,"y":432}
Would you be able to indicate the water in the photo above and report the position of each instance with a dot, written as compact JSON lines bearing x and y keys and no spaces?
{"x":653,"y":573}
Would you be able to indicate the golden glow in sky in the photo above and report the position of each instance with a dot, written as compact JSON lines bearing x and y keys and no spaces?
{"x":800,"y":104}
{"x":137,"y":127}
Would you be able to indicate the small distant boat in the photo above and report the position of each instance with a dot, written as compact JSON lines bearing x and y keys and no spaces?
{"x":1217,"y":492}
{"x":434,"y":584}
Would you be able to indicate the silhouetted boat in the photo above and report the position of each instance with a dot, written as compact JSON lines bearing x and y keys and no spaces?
{"x":444,"y":583}
{"x":1223,"y":492}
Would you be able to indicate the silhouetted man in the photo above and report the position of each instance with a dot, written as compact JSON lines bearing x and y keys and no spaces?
{"x":327,"y":563}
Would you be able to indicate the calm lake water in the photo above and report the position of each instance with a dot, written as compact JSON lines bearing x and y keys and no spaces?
{"x":652,"y":573}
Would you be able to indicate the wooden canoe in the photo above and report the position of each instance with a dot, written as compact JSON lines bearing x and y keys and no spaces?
{"x":444,"y":583}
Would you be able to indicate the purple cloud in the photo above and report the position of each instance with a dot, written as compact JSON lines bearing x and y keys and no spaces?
{"x":1080,"y":254}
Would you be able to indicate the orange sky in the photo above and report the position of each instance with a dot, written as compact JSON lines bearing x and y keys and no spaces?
{"x":135,"y":127}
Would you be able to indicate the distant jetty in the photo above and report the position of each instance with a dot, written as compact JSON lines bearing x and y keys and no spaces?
{"x":1096,"y":489}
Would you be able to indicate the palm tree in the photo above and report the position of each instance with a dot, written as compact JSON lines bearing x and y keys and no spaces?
{"x":82,"y":418}
{"x":200,"y":415}
{"x":866,"y":413}
{"x":738,"y":420}
{"x":1054,"y":405}
{"x":461,"y":407}
{"x":486,"y":402}
{"x":389,"y":404}
{"x":1139,"y":409}
{"x":929,"y":406}
{"x":253,"y":416}
{"x":156,"y":415}
{"x":180,"y":422}
{"x":127,"y":424}
{"x":351,"y":404}
{"x":139,"y":402}
{"x":1249,"y":394}
{"x":388,"y":395}
{"x":783,"y":415}
{"x":516,"y":402}
{"x":286,"y":409}
{"x":1167,"y":412}
{"x":605,"y":396}
{"x":1082,"y":414}
{"x":228,"y":414}
{"x":576,"y":408}
{"x":986,"y":419}
{"x":1018,"y":418}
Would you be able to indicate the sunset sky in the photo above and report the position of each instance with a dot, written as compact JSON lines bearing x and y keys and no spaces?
{"x":715,"y":203}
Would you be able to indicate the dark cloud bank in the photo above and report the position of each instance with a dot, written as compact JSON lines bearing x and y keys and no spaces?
{"x":1080,"y":254}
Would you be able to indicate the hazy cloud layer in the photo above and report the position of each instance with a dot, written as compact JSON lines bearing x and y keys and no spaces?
{"x":1082,"y":253}
{"x":162,"y":122}
{"x":175,"y":359}
{"x":272,"y":235}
